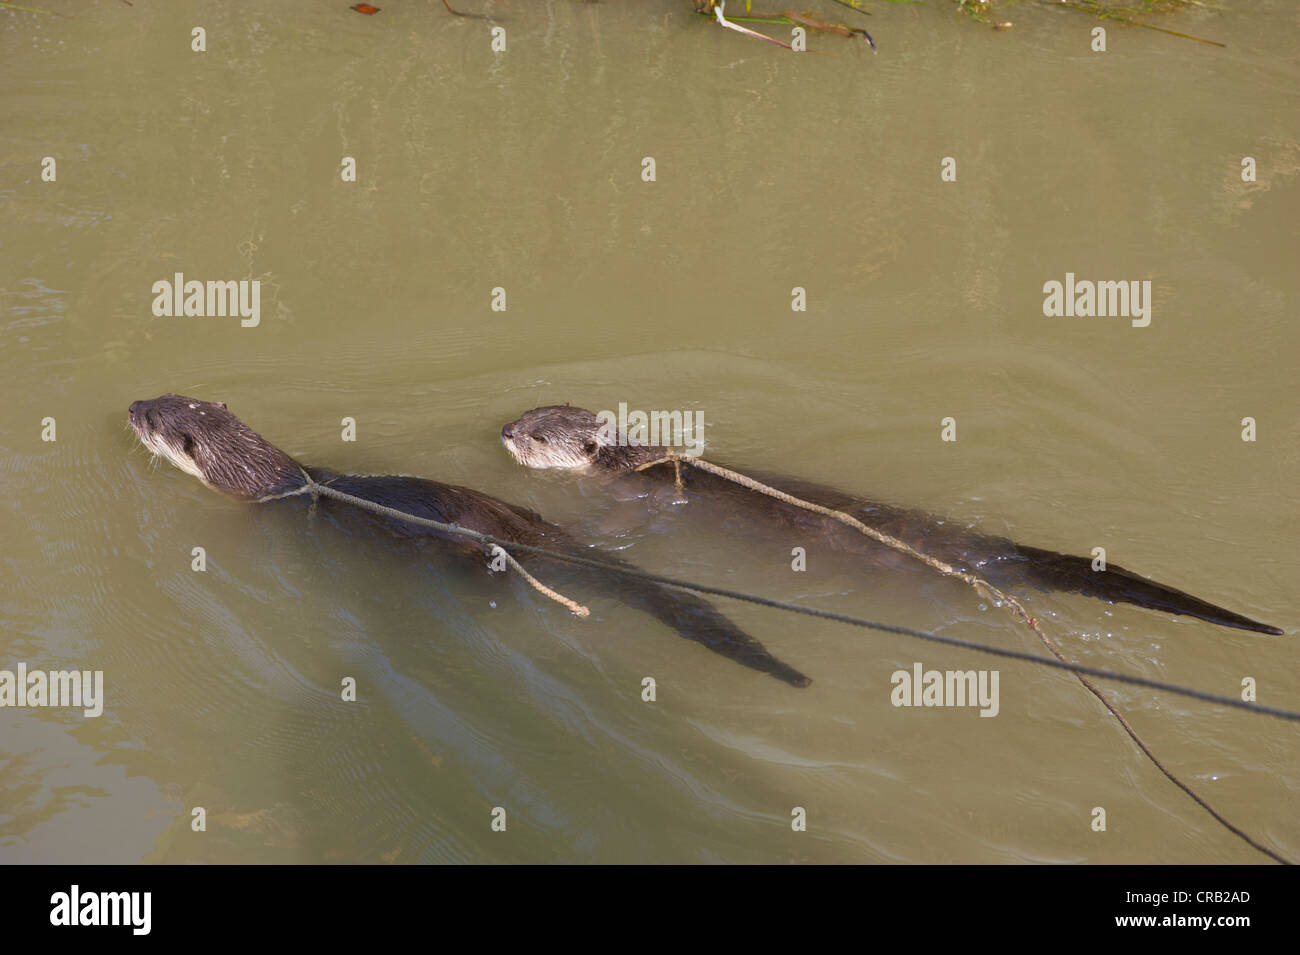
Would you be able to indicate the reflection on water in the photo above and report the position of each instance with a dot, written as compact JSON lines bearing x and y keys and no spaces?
{"x":521,"y":171}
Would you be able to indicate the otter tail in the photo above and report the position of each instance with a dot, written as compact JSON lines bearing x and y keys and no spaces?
{"x":697,"y":620}
{"x":1052,"y":571}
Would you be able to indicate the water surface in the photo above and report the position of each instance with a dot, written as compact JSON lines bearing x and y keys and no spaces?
{"x":522,"y":170}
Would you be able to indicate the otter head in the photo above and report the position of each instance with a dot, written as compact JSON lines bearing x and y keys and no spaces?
{"x":556,"y":436}
{"x":204,"y":439}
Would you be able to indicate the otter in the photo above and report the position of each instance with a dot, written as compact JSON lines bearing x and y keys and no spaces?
{"x":205,"y":439}
{"x":566,"y":437}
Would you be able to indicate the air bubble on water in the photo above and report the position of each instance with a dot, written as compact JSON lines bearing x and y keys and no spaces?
{"x":492,"y":604}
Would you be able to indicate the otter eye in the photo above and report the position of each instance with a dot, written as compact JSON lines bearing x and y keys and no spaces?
{"x":188,"y":446}
{"x":540,"y":439}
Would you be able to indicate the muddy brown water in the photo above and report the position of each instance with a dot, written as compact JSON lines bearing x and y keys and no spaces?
{"x":522,"y":170}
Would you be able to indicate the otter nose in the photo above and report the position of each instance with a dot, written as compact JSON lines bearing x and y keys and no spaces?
{"x":508,"y":431}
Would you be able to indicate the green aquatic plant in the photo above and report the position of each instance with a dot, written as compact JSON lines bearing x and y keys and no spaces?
{"x":1128,"y":15}
{"x":14,"y":6}
{"x":1122,"y":11}
{"x":983,"y":11}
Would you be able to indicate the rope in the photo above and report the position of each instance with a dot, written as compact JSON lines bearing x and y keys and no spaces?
{"x":982,"y":587}
{"x":314,"y":489}
{"x":572,"y":605}
{"x":1060,"y":663}
{"x":1096,"y":672}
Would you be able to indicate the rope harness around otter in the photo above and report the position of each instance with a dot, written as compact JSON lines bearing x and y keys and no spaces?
{"x":314,"y":488}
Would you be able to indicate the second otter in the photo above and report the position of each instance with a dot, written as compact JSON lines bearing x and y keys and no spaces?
{"x":564,"y":437}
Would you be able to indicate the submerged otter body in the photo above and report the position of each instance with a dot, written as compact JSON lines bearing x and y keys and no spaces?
{"x":204,"y":439}
{"x":564,"y":437}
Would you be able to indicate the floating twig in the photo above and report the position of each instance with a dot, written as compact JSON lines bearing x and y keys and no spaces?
{"x":836,"y":28}
{"x":717,"y":12}
{"x":471,"y":16}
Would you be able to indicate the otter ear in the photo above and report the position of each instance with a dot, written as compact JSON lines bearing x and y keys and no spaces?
{"x":566,"y":404}
{"x":590,"y":447}
{"x":221,"y":405}
{"x":188,"y":446}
